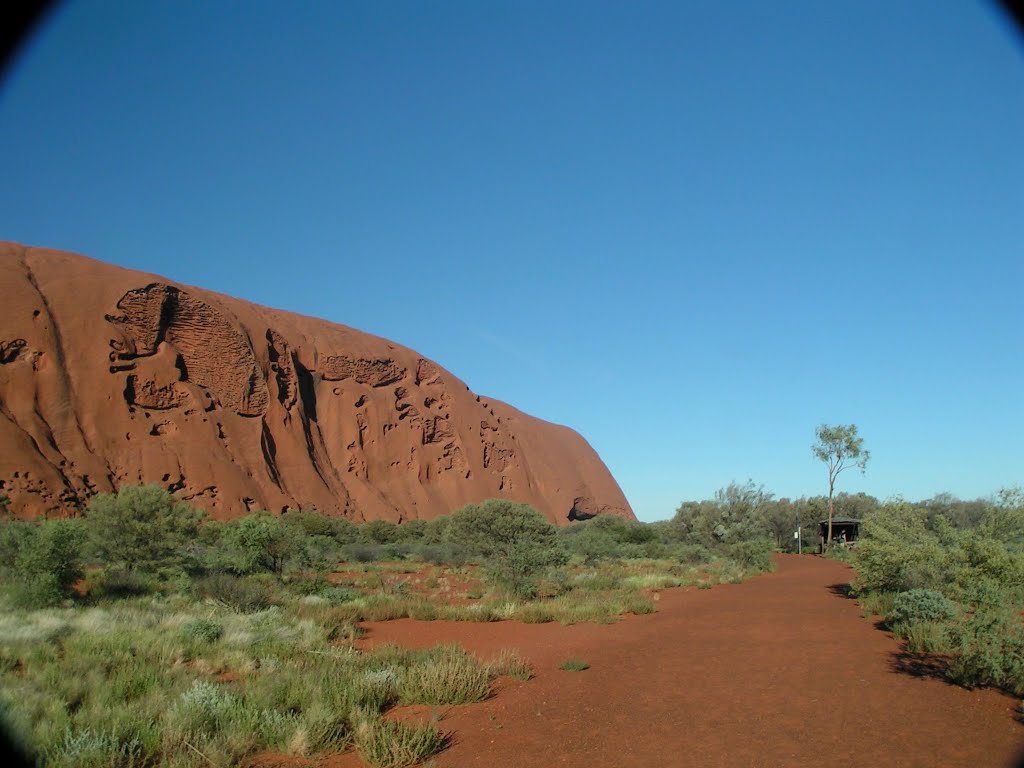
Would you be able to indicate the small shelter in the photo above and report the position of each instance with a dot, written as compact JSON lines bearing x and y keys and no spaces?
{"x":845,"y":531}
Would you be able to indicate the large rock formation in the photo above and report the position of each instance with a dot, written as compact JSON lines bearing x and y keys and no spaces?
{"x":111,"y":377}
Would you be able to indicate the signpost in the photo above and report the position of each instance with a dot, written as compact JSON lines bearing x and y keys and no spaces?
{"x":799,"y":541}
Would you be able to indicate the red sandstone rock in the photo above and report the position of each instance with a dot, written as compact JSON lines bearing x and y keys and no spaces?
{"x":110,"y":377}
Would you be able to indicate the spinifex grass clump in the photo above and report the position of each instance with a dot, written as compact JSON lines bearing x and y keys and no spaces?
{"x":510,"y":664}
{"x":574,"y":665}
{"x":155,"y":681}
{"x":448,"y":676}
{"x":394,"y":744}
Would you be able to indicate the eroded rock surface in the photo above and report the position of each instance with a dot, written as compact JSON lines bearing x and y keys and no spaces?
{"x":111,"y":377}
{"x":212,"y":352}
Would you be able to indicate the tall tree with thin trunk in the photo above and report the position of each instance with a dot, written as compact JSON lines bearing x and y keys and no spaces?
{"x":840,"y":448}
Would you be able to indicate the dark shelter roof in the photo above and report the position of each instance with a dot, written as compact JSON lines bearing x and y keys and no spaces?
{"x":841,"y":520}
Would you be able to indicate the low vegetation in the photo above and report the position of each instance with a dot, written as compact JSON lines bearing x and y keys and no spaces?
{"x":951,"y":585}
{"x":167,"y":680}
{"x":141,"y":634}
{"x":574,"y":665}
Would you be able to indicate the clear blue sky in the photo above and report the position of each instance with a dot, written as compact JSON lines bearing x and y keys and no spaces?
{"x":693,"y":231}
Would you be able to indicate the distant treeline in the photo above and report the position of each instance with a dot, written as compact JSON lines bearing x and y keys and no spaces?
{"x":144,"y":534}
{"x":142,"y":537}
{"x":743,"y":511}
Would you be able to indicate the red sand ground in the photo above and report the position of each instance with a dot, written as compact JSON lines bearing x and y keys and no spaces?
{"x":779,"y":671}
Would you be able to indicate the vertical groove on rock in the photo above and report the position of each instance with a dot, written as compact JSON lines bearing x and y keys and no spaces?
{"x":313,"y":415}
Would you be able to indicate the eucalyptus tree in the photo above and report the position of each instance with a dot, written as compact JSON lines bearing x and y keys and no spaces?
{"x":839,"y":448}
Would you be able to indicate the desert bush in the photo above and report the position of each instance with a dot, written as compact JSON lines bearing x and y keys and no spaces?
{"x":312,"y":523}
{"x":448,"y":676}
{"x":877,"y":603}
{"x":607,"y":537}
{"x":517,"y":542}
{"x":117,"y":685}
{"x":535,"y":613}
{"x":360,"y":552}
{"x":755,"y":554}
{"x":510,"y":664}
{"x":202,"y":630}
{"x":263,"y":543}
{"x":898,"y":551}
{"x":736,"y":514}
{"x":242,"y":594}
{"x":96,"y":749}
{"x":119,"y":584}
{"x":319,"y":554}
{"x":379,"y":532}
{"x":333,"y":593}
{"x":979,"y":555}
{"x":637,"y":604}
{"x":988,"y":643}
{"x":920,"y":605}
{"x":574,"y":665}
{"x":141,"y":528}
{"x":556,"y":581}
{"x":692,"y":553}
{"x":444,"y":554}
{"x":650,"y":581}
{"x":319,"y":730}
{"x":923,"y":636}
{"x":13,"y":534}
{"x":394,"y":744}
{"x":47,"y":562}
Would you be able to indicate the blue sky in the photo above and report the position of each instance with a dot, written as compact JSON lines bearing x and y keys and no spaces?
{"x":692,"y":231}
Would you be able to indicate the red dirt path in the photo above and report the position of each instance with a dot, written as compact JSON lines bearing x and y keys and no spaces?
{"x":779,"y":671}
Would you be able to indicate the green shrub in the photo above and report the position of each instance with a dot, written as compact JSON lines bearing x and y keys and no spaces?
{"x":444,"y":554}
{"x":518,"y":543}
{"x":394,"y":744}
{"x":242,"y":594}
{"x":556,"y":582}
{"x":13,"y":535}
{"x":755,"y":554}
{"x":319,"y":554}
{"x":91,"y":749}
{"x":320,"y":730}
{"x":450,"y":676}
{"x":37,"y":591}
{"x":360,"y":552}
{"x":141,"y":528}
{"x":638,"y":604}
{"x":47,"y":563}
{"x":510,"y":664}
{"x":920,"y":605}
{"x":923,"y":636}
{"x":380,"y":532}
{"x":202,"y":630}
{"x":898,"y":551}
{"x":988,"y":644}
{"x":263,"y":543}
{"x":334,"y":593}
{"x":694,"y":554}
{"x":736,"y":514}
{"x":876,"y":603}
{"x":535,"y":613}
{"x":574,"y":665}
{"x":120,"y":584}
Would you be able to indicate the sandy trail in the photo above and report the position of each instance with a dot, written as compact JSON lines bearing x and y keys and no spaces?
{"x":779,"y":671}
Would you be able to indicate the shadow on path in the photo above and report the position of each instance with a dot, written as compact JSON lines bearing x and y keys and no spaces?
{"x":842,"y":590}
{"x":920,"y":665}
